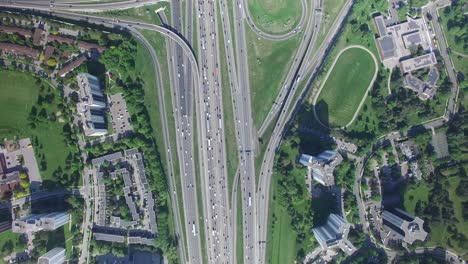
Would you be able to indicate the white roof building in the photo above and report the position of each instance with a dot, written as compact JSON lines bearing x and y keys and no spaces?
{"x":55,"y":256}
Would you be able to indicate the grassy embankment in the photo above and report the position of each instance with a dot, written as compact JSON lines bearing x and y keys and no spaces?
{"x":144,"y":14}
{"x":275,"y":17}
{"x":151,"y":100}
{"x":269,"y":63}
{"x":451,"y":19}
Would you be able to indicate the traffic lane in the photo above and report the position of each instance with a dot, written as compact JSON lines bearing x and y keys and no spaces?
{"x":98,"y":7}
{"x":314,"y":20}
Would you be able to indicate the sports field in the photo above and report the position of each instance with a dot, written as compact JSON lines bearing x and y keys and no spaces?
{"x":344,"y":87}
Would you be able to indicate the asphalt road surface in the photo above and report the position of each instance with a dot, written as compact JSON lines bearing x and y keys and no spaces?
{"x":211,"y":137}
{"x":78,"y":5}
{"x":196,"y":84}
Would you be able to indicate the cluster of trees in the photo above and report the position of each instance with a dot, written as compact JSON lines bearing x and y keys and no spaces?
{"x":440,"y":208}
{"x":23,"y":189}
{"x":419,"y":259}
{"x":392,"y":112}
{"x":344,"y":174}
{"x":117,"y":204}
{"x":357,"y":236}
{"x":15,"y":243}
{"x":456,"y":24}
{"x":107,"y":39}
{"x":16,"y":39}
{"x":289,"y":194}
{"x":46,"y":106}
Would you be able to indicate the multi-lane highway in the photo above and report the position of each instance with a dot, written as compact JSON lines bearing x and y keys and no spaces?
{"x":196,"y":85}
{"x":183,"y":115}
{"x":211,"y":137}
{"x":78,"y":5}
{"x":240,"y":93}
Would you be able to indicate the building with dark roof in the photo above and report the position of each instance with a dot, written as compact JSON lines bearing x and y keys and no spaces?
{"x":12,"y":30}
{"x":137,"y":194}
{"x":60,"y":39}
{"x":49,"y":50}
{"x":404,"y":226}
{"x":15,"y":49}
{"x":90,"y":91}
{"x":423,"y":89}
{"x":86,"y":46}
{"x":37,"y":37}
{"x":8,"y":182}
{"x":3,"y":166}
{"x":70,"y":66}
{"x":386,"y":47}
{"x":134,"y":258}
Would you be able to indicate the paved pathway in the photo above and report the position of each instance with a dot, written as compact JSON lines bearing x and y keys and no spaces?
{"x":389,"y":81}
{"x":460,"y":54}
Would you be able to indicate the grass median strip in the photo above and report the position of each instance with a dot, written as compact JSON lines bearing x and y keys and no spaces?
{"x":268,"y":62}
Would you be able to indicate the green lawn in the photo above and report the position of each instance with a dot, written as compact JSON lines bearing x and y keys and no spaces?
{"x":282,"y":246}
{"x":269,"y":62}
{"x":415,"y":192}
{"x":345,"y":87}
{"x":275,"y":16}
{"x":19,"y":94}
{"x":289,"y":235}
{"x":451,"y":19}
{"x":418,"y":3}
{"x":10,"y":242}
{"x":144,"y":14}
